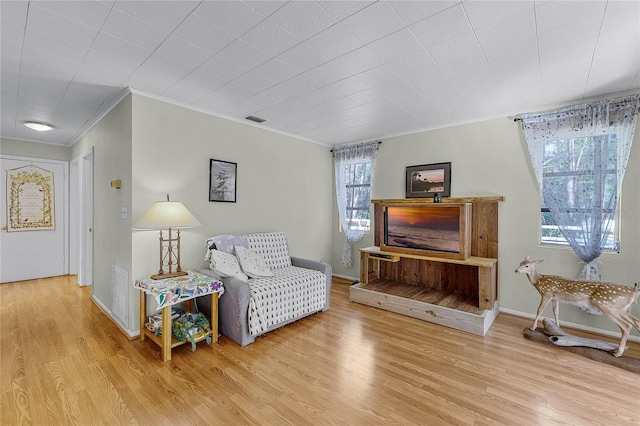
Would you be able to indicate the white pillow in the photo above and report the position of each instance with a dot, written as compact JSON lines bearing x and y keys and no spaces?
{"x":252,"y":263}
{"x":226,"y":265}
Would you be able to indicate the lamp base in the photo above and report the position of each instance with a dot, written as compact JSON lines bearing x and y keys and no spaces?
{"x":168,"y":275}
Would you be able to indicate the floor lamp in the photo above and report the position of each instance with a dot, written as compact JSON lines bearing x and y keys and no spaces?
{"x":168,"y":215}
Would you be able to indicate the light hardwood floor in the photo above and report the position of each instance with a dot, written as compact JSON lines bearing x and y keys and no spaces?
{"x":63,"y":362}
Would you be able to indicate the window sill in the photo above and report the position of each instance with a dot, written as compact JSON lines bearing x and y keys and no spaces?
{"x":568,"y":247}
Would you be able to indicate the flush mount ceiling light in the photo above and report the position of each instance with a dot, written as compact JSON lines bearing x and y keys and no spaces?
{"x":40,"y":127}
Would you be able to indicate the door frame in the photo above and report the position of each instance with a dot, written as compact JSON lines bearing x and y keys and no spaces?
{"x":84,"y":210}
{"x":74,"y":227}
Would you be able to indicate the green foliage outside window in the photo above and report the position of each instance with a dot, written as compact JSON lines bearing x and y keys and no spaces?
{"x":583,"y":170}
{"x":358,"y":204}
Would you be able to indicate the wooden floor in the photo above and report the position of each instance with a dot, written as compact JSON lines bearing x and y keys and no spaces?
{"x":64,"y":363}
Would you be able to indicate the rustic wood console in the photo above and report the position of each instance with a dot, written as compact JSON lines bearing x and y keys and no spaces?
{"x":458,"y":293}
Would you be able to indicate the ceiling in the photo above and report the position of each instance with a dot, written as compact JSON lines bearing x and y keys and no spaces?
{"x":330,"y":72}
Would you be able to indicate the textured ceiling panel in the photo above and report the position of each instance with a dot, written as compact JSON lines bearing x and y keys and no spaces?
{"x":326,"y":71}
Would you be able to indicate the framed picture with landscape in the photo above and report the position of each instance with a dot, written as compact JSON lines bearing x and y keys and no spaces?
{"x":428,"y":179}
{"x":222,"y":181}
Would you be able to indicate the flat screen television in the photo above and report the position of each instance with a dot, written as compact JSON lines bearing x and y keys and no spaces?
{"x":435,"y":229}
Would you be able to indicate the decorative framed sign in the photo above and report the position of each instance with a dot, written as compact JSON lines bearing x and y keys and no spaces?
{"x":30,"y":199}
{"x":427,"y":180}
{"x":222,"y":181}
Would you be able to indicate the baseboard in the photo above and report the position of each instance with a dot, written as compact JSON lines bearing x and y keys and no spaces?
{"x":346,"y":277}
{"x":130,"y":334}
{"x":575,"y":326}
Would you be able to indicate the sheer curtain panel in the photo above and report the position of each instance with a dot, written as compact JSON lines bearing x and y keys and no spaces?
{"x":579,"y":155}
{"x":354,"y":170}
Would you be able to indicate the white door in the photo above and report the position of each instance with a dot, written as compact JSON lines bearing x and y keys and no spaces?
{"x":31,"y":254}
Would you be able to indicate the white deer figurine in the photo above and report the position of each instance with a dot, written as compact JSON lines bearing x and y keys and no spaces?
{"x":592,"y":296}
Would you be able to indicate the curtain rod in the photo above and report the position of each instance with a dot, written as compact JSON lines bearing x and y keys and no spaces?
{"x":379,"y":142}
{"x":620,"y":99}
{"x":520,"y":119}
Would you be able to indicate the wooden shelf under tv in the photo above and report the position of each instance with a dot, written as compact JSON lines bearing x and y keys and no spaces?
{"x":458,"y":293}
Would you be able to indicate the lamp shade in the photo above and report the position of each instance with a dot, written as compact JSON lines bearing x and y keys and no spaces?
{"x":165,"y":215}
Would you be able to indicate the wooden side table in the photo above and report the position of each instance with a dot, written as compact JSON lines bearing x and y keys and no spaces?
{"x":167,"y":293}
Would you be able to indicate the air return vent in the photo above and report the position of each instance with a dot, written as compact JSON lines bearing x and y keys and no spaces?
{"x":256,"y":119}
{"x":120,"y":294}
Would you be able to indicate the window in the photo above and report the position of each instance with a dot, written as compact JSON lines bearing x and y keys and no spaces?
{"x":575,"y":173}
{"x":579,"y":155}
{"x":358,"y":190}
{"x":354,"y":167}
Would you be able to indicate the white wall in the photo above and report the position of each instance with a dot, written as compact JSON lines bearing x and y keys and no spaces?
{"x":283,"y":183}
{"x":34,"y":149}
{"x":111,"y":139}
{"x":490,"y":158}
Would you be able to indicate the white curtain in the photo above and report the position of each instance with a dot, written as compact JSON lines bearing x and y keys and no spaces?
{"x":354,"y":170}
{"x":581,"y":195}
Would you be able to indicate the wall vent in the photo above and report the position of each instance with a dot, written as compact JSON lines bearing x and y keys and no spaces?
{"x":120,"y":294}
{"x":254,"y":118}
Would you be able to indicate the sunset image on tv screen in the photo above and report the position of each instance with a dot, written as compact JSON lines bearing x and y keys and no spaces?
{"x":424,"y":227}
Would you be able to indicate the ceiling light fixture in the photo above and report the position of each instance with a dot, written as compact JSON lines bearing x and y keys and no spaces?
{"x":40,"y":127}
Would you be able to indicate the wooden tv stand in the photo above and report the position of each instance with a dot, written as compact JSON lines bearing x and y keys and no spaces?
{"x":462,"y":294}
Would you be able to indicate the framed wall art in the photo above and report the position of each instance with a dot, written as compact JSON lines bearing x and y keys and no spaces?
{"x":427,"y":180}
{"x":222,"y":181}
{"x":30,"y":199}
